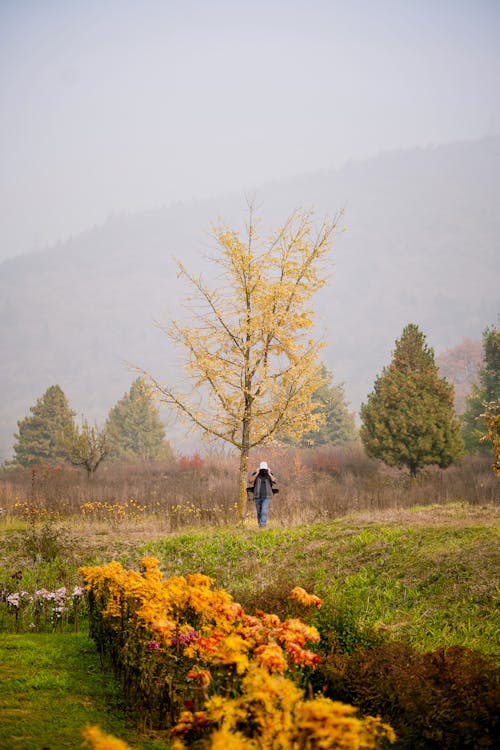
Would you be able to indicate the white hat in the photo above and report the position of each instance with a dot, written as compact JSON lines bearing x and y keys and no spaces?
{"x":263,"y":465}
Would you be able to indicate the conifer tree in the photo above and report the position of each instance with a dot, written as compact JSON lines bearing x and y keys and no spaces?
{"x":409,"y":418}
{"x":491,"y":418}
{"x":339,"y":423}
{"x":134,"y":429}
{"x":40,"y":435}
{"x":487,"y":391}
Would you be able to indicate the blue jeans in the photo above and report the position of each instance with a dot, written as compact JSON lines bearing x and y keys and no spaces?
{"x":262,"y":508}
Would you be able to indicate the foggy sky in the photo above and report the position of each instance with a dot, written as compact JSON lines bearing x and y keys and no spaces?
{"x":118,"y":106}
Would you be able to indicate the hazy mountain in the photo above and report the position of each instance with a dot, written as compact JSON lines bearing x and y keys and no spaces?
{"x":421,"y":245}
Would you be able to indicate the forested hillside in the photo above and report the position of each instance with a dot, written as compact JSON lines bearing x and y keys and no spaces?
{"x":421,"y":245}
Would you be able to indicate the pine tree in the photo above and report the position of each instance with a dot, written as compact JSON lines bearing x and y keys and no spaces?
{"x":134,"y":429}
{"x":487,"y":391}
{"x":40,"y":434}
{"x":409,"y":418}
{"x":339,"y":423}
{"x":491,"y":418}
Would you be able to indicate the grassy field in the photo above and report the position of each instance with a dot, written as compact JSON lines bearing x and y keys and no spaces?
{"x":51,"y":686}
{"x":426,"y":575}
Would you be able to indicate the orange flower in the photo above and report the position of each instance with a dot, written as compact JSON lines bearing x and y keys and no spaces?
{"x":271,"y":656}
{"x":308,"y":600}
{"x":203,"y":676}
{"x":302,"y":656}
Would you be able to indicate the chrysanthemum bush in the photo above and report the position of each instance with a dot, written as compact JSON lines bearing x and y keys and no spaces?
{"x":190,"y":658}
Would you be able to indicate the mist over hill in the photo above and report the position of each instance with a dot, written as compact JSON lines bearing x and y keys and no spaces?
{"x":421,"y":245}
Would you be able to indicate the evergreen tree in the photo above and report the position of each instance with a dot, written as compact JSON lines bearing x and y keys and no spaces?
{"x":409,"y":418}
{"x":487,"y":391}
{"x":40,"y":434}
{"x":339,"y":423}
{"x":134,"y":429}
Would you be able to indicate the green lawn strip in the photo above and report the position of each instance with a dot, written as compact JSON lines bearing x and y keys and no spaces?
{"x":51,"y":686}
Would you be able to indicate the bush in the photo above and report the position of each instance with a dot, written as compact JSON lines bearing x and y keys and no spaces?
{"x":447,"y":698}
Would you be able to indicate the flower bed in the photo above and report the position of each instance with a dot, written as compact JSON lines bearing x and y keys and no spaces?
{"x":190,"y":658}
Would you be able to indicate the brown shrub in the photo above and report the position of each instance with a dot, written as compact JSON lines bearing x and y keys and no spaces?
{"x":446,"y":698}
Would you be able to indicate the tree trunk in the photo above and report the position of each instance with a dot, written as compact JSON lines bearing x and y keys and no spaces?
{"x":244,"y":453}
{"x":243,"y":498}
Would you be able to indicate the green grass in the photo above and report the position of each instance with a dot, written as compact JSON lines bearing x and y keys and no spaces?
{"x":427,"y":575}
{"x":428,"y":584}
{"x":51,"y":686}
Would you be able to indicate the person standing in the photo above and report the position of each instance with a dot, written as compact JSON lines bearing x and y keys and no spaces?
{"x":262,"y":486}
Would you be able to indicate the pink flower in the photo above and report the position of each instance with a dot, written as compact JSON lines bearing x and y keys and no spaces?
{"x":184,"y":638}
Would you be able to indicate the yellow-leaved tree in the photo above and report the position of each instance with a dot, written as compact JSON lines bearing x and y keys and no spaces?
{"x":248,"y":347}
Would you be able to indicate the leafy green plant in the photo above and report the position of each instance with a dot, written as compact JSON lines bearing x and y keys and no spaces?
{"x":45,"y":542}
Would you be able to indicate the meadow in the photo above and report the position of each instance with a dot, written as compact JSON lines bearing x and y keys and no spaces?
{"x":407,"y":573}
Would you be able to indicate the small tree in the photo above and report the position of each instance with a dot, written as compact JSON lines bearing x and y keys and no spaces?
{"x":249,"y":352}
{"x":134,"y":429}
{"x":409,"y":418}
{"x":491,"y":417}
{"x":339,"y":423}
{"x":486,"y":391}
{"x":40,"y":435}
{"x":86,"y":446}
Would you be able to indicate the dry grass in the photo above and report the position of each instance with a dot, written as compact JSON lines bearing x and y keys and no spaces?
{"x":315,"y":485}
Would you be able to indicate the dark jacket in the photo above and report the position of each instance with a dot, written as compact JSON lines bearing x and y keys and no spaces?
{"x":262,"y":484}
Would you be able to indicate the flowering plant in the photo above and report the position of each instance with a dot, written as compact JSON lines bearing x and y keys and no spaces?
{"x":52,"y":609}
{"x":190,"y":657}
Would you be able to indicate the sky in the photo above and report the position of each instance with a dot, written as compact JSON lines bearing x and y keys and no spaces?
{"x":118,"y":106}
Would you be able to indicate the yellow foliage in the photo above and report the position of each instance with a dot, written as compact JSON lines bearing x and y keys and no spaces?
{"x":97,"y":740}
{"x":260,"y":708}
{"x":248,"y":348}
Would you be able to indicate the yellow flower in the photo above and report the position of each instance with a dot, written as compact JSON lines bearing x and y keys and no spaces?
{"x":224,"y":739}
{"x":232,"y":651}
{"x":97,"y":740}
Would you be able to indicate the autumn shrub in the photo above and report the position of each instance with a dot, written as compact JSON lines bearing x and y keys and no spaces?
{"x":184,"y":493}
{"x":447,"y":698}
{"x":153,"y":631}
{"x":190,"y":657}
{"x":271,"y":713}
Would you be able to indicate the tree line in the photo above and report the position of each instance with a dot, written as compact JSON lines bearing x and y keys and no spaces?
{"x":51,"y":434}
{"x":256,"y":374}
